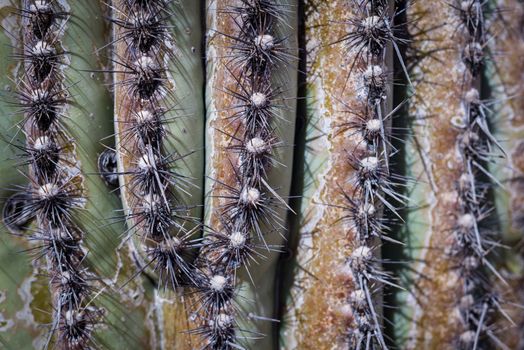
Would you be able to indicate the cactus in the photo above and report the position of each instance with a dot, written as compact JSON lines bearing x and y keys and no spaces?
{"x":273,"y":174}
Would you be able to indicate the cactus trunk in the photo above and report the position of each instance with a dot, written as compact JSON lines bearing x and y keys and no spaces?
{"x":273,"y":174}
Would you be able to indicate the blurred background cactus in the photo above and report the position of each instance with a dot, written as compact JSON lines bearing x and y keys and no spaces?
{"x":262,"y":174}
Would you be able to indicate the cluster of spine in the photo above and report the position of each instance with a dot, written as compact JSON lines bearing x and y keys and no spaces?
{"x":144,"y":98}
{"x":56,"y":191}
{"x":477,"y":148}
{"x":248,"y":205}
{"x":370,"y":33}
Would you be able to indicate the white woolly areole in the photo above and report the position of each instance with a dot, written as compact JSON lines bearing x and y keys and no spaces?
{"x":464,"y":181}
{"x":468,"y":337}
{"x":371,"y":22}
{"x":48,"y":190}
{"x":346,"y":310}
{"x":39,"y":5}
{"x":256,"y":145}
{"x":265,"y":42}
{"x":369,"y":163}
{"x":367,"y":209}
{"x":223,"y":321}
{"x":464,"y":177}
{"x":346,"y":270}
{"x":466,"y":221}
{"x":474,"y":47}
{"x":471,"y":263}
{"x":373,"y":73}
{"x":65,"y":277}
{"x":217,"y":283}
{"x":38,"y":94}
{"x":362,"y":253}
{"x":457,"y":314}
{"x":472,"y":95}
{"x":146,"y":161}
{"x":258,"y":99}
{"x":42,"y":48}
{"x":143,"y":116}
{"x":467,"y":301}
{"x":360,"y":258}
{"x":250,"y":195}
{"x":41,"y":143}
{"x":358,"y":298}
{"x":237,"y":239}
{"x":145,"y":62}
{"x":373,"y":125}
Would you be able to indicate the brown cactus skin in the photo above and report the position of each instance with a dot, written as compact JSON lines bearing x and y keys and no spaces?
{"x":218,"y":102}
{"x":175,"y":321}
{"x":317,"y":313}
{"x":437,"y":100}
{"x":312,"y":317}
{"x":434,"y":106}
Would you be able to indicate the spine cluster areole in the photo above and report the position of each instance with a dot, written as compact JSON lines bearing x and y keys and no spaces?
{"x":151,"y":184}
{"x":57,"y":192}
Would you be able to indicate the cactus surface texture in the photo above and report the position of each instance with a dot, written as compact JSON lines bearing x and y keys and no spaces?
{"x":262,"y":174}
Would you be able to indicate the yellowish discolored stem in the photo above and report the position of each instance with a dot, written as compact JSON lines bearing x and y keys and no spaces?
{"x":317,"y":314}
{"x":436,"y":104}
